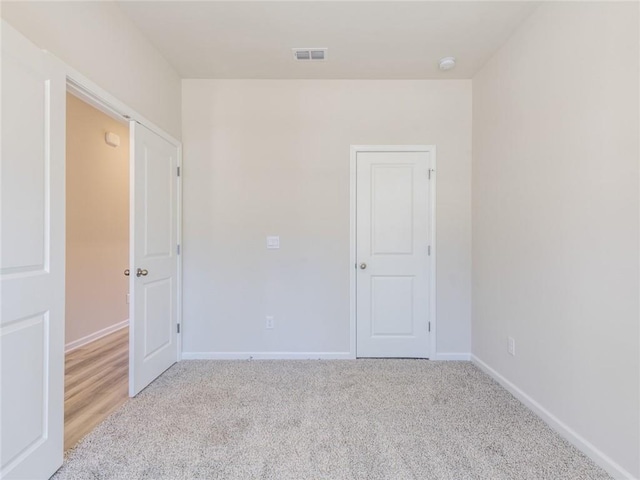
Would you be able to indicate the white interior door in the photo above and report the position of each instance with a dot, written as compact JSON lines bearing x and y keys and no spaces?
{"x":154,"y":266}
{"x":32,"y":263}
{"x":392,"y":253}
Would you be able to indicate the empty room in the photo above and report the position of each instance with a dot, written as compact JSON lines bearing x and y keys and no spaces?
{"x":330,"y":239}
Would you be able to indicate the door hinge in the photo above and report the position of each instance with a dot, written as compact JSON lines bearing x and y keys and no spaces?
{"x":178,"y":328}
{"x":178,"y":249}
{"x":178,"y":171}
{"x":429,"y":250}
{"x":429,"y":326}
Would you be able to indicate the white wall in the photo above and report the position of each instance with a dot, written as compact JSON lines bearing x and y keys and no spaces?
{"x":102,"y":43}
{"x":555,"y":221}
{"x":271,"y":157}
{"x":97,"y":227}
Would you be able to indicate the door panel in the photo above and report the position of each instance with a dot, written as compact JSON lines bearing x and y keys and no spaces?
{"x":158,"y":309}
{"x":159,"y":171}
{"x":392,"y":239}
{"x":392,"y":210}
{"x":154,"y":230}
{"x":24,"y":101}
{"x":392,"y":308}
{"x":31,"y":260}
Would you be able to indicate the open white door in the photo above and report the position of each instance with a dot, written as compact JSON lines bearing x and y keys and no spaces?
{"x":32,"y":267}
{"x":154,"y":266}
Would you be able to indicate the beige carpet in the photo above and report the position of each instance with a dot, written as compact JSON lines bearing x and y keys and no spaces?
{"x":364,"y":419}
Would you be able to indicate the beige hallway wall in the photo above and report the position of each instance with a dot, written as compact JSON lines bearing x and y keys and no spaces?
{"x":97,"y":221}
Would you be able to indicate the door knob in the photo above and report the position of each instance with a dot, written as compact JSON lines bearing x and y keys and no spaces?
{"x":363,"y":266}
{"x":126,"y":272}
{"x":142,"y":273}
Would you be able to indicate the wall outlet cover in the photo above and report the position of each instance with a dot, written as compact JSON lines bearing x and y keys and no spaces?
{"x":269,"y":324}
{"x":273,"y":241}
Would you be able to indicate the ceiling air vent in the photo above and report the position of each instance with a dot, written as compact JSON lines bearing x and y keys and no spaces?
{"x":312,"y":54}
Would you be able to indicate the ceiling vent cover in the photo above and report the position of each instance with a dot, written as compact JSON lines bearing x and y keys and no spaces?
{"x":310,"y":54}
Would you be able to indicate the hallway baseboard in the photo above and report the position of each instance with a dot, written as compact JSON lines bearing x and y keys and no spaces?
{"x":95,"y":336}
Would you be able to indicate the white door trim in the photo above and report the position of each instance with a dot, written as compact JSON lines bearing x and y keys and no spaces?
{"x":431,"y":149}
{"x":91,"y":93}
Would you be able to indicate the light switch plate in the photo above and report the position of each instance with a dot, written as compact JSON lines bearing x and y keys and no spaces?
{"x":273,"y":242}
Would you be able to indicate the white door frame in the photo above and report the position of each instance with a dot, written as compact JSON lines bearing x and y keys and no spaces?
{"x":431,"y":149}
{"x":99,"y":98}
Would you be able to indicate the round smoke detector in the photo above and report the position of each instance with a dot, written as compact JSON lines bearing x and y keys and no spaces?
{"x":447,"y":63}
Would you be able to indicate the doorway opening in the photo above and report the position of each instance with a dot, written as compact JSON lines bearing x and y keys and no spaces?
{"x":97,"y":255}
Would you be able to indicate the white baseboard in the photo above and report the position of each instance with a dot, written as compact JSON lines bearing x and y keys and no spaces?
{"x":582,"y":444}
{"x":451,"y":356}
{"x":296,"y":356}
{"x":95,"y":336}
{"x":266,"y":356}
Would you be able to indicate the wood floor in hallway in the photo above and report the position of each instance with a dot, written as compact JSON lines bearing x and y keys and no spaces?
{"x":95,"y":384}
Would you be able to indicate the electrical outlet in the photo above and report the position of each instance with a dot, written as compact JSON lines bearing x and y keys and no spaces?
{"x":270,"y":323}
{"x":511,"y":346}
{"x":273,"y":242}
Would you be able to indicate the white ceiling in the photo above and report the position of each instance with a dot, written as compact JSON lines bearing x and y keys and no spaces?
{"x":366,"y":39}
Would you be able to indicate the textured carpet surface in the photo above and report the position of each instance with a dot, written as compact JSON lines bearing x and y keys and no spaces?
{"x":364,"y":419}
